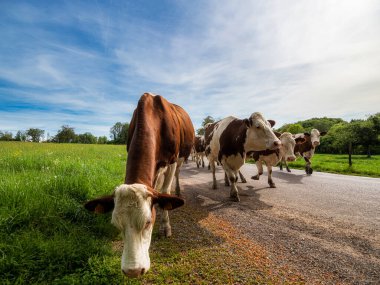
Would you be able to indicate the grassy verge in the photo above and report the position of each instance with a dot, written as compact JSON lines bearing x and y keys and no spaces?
{"x":333,"y":163}
{"x":47,"y":237}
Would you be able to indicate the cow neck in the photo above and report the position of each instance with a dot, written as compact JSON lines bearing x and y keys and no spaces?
{"x":141,"y":162}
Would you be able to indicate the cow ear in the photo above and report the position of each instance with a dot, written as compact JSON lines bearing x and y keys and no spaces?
{"x":248,"y":123}
{"x":272,"y":123}
{"x":168,"y":202}
{"x":101,"y":205}
{"x":323,"y":133}
{"x":278,"y":134}
{"x":307,"y":134}
{"x":300,"y":140}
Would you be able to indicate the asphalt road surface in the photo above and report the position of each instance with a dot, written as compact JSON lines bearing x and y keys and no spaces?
{"x":323,"y":226}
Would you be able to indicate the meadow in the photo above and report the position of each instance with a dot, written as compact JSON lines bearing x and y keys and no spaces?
{"x":47,"y":237}
{"x":336,"y":163}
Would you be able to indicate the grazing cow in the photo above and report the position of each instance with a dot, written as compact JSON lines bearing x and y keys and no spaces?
{"x":232,"y":138}
{"x":160,"y":136}
{"x":199,"y":149}
{"x":272,"y":157}
{"x":306,"y":149}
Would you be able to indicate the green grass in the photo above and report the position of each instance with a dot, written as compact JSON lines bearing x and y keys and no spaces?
{"x":334,"y":163}
{"x":46,"y":236}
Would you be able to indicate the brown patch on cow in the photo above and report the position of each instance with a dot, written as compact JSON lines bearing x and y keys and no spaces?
{"x":159,"y":132}
{"x":233,"y":138}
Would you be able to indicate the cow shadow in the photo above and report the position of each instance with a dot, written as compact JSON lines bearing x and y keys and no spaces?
{"x":290,"y":178}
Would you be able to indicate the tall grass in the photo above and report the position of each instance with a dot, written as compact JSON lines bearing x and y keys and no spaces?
{"x":333,"y":163}
{"x":46,"y":236}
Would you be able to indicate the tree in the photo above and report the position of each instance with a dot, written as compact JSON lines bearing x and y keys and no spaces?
{"x":6,"y":136}
{"x":292,"y":128}
{"x":20,"y":136}
{"x":102,"y":140}
{"x":207,"y":120}
{"x":65,"y":135}
{"x":119,"y":133}
{"x":35,"y":134}
{"x":87,"y":138}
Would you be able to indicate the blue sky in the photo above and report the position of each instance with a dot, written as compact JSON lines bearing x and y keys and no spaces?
{"x":86,"y":63}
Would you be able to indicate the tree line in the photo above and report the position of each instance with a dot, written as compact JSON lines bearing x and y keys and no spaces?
{"x":357,"y":136}
{"x":66,"y":134}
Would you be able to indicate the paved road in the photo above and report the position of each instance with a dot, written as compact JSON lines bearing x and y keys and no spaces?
{"x":324,"y":226}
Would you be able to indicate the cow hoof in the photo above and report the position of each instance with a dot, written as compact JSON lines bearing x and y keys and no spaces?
{"x":272,"y":185}
{"x":311,"y":171}
{"x":255,"y":177}
{"x":214,"y":186}
{"x":226,"y":184}
{"x":235,"y":198}
{"x":244,"y":181}
{"x":288,"y":170}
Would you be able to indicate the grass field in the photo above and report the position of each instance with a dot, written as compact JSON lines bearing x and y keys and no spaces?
{"x":361,"y":165}
{"x":47,"y":237}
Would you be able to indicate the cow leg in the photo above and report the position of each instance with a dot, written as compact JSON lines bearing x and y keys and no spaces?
{"x":177,"y":186}
{"x":260,"y":170}
{"x":197,"y":160}
{"x":242,"y":178}
{"x":308,"y":168}
{"x":203,"y":162}
{"x":234,"y":194}
{"x":280,"y":165}
{"x":270,"y":181}
{"x":212,"y":164}
{"x":165,"y":228}
{"x":287,"y":166}
{"x":226,"y":180}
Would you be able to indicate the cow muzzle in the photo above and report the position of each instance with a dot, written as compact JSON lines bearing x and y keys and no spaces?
{"x":133,"y":273}
{"x":315,"y":144}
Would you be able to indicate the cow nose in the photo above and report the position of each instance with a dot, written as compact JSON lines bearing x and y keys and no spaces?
{"x":133,"y":273}
{"x":316,"y":143}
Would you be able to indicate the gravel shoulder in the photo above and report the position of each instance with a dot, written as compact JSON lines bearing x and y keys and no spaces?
{"x":324,"y":229}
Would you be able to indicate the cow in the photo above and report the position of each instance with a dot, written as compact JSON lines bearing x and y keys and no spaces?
{"x":232,"y":138}
{"x":273,"y":157}
{"x":160,"y":136}
{"x":306,"y":149}
{"x":199,"y":150}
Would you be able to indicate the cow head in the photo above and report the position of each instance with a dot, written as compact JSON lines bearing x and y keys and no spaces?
{"x":134,"y":215}
{"x":287,"y":145}
{"x":315,"y":136}
{"x":260,"y":135}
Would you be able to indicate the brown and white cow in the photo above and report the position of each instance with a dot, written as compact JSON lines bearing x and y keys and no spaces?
{"x":160,"y":136}
{"x":232,"y":138}
{"x":199,"y":150}
{"x":273,"y":157}
{"x":307,"y":148}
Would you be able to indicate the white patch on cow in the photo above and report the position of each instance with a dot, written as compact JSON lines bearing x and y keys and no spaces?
{"x":287,"y":147}
{"x":232,"y":162}
{"x":260,"y":135}
{"x":315,"y":137}
{"x":132,"y":215}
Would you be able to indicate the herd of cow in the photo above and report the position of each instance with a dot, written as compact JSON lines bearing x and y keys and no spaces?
{"x":161,"y":137}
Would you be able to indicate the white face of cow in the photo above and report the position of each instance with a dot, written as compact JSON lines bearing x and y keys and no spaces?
{"x":260,"y":135}
{"x":315,"y":137}
{"x":287,"y":146}
{"x":134,"y":216}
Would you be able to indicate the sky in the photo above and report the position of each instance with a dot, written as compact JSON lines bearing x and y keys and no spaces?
{"x":86,"y":63}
